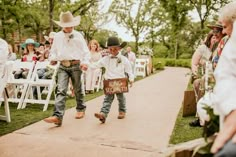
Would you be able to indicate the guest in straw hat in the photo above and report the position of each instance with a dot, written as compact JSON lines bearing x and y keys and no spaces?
{"x":70,"y":48}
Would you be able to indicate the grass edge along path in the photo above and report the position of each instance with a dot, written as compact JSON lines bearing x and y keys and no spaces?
{"x":182,"y":132}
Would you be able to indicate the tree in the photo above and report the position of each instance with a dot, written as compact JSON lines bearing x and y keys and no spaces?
{"x":134,"y":20}
{"x":206,"y":8}
{"x":102,"y":35}
{"x":177,"y":12}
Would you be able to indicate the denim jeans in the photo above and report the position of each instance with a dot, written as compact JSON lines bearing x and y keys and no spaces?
{"x":64,"y":73}
{"x":108,"y":101}
{"x":229,"y":150}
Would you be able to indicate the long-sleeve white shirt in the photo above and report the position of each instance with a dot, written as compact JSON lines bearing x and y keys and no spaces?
{"x":224,"y":93}
{"x":69,"y":46}
{"x":115,"y":67}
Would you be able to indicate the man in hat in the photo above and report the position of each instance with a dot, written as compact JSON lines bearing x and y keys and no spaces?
{"x":116,"y":66}
{"x":70,"y":48}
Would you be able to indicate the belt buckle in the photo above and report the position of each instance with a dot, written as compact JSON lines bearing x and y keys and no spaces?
{"x":66,"y":63}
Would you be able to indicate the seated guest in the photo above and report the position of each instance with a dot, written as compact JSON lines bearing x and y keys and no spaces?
{"x":199,"y":59}
{"x":224,"y":95}
{"x":29,"y":55}
{"x":222,"y":99}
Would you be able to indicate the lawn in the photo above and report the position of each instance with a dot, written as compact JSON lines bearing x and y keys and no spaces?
{"x":33,"y":113}
{"x":182,"y":131}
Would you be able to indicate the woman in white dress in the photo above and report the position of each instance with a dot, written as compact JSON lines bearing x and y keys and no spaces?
{"x":91,"y":75}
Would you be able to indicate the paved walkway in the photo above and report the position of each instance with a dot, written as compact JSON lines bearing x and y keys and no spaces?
{"x":153,"y":104}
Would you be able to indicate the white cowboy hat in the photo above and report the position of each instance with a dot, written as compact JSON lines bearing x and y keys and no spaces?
{"x":68,"y":20}
{"x":51,"y":35}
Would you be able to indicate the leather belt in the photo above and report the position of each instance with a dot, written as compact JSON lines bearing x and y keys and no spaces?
{"x":68,"y":63}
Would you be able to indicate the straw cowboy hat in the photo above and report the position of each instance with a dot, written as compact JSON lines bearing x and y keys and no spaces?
{"x":114,"y":41}
{"x":215,"y":25}
{"x":68,"y":20}
{"x":30,"y":41}
{"x":51,"y":35}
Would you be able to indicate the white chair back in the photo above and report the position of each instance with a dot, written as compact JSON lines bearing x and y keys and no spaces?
{"x":36,"y":82}
{"x":140,"y":67}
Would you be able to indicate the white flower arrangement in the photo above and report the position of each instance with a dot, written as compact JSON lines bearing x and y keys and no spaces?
{"x":145,"y":51}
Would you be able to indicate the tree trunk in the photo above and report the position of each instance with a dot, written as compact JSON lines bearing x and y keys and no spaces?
{"x":176,"y":48}
{"x":136,"y":43}
{"x":51,"y":9}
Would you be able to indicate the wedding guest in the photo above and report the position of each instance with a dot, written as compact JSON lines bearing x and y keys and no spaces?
{"x":91,"y":75}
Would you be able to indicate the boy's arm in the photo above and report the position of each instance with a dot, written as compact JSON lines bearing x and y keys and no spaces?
{"x":99,"y":64}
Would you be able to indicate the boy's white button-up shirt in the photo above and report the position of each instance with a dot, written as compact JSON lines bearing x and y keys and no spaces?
{"x":115,"y":67}
{"x":69,"y":46}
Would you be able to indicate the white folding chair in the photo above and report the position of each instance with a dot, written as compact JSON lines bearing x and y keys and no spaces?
{"x":36,"y":82}
{"x":18,"y":85}
{"x":3,"y":92}
{"x":140,"y":67}
{"x":99,"y":84}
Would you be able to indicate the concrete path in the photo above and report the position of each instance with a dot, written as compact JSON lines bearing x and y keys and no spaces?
{"x":153,"y":104}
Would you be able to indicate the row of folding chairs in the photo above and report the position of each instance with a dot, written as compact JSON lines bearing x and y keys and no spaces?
{"x":20,"y":90}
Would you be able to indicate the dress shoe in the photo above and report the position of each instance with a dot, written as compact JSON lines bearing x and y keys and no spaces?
{"x":121,"y":115}
{"x":79,"y":115}
{"x":195,"y":123}
{"x":101,"y":117}
{"x":54,"y":120}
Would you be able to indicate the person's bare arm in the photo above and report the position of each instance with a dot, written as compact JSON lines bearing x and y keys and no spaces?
{"x":228,"y":131}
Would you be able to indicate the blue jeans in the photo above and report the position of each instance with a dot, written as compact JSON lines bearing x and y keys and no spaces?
{"x":64,"y":73}
{"x":229,"y":150}
{"x":108,"y":101}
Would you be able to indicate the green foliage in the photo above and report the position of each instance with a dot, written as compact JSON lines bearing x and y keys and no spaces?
{"x":212,"y":126}
{"x":102,"y":35}
{"x":182,"y":132}
{"x":158,"y":66}
{"x":136,"y":21}
{"x":178,"y":63}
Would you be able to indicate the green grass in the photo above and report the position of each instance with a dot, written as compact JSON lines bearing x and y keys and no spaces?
{"x":182,"y":131}
{"x":33,"y":113}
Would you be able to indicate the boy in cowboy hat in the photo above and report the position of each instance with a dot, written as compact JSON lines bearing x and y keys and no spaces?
{"x":69,"y":47}
{"x":116,"y":66}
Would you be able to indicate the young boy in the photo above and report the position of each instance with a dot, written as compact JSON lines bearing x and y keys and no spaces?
{"x":116,"y":66}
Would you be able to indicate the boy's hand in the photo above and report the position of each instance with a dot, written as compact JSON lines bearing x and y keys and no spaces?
{"x":84,"y":67}
{"x":53,"y":62}
{"x":131,"y":83}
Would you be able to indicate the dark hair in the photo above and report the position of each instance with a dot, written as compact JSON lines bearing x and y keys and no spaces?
{"x":208,"y":39}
